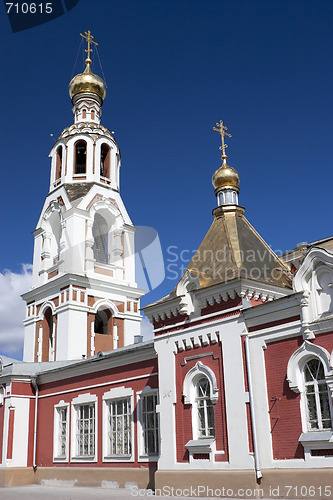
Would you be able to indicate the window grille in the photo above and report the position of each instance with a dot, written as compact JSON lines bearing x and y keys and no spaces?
{"x":150,"y":424}
{"x":319,"y":404}
{"x":119,"y":427}
{"x":85,"y":430}
{"x":205,"y":409}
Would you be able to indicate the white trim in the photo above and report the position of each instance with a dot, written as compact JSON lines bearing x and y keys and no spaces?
{"x":57,"y":407}
{"x":117,"y":393}
{"x":198,"y":371}
{"x":298,"y":359}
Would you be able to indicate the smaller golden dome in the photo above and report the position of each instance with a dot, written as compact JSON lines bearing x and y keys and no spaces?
{"x":225,"y":177}
{"x":87,"y":82}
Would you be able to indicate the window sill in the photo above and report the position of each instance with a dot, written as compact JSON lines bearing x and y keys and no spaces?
{"x":119,"y":458}
{"x":84,"y":459}
{"x":58,"y":460}
{"x":202,"y":445}
{"x":148,"y":458}
{"x":318,"y":439}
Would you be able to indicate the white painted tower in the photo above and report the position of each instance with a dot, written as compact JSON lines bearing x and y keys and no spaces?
{"x":84,"y":298}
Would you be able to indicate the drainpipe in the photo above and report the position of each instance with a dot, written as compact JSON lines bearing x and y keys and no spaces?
{"x":253,"y":416}
{"x":35,"y":386}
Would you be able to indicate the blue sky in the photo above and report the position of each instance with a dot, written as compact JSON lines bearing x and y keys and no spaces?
{"x":173,"y":69}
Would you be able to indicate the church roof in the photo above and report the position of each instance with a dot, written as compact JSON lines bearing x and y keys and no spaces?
{"x":232,"y":249}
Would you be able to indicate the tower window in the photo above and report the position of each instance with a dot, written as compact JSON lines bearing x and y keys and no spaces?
{"x":80,"y":157}
{"x":93,"y":115}
{"x":58,"y":162}
{"x":319,"y":406}
{"x":84,"y":114}
{"x":100,"y":233}
{"x":105,"y":161}
{"x":103,"y":322}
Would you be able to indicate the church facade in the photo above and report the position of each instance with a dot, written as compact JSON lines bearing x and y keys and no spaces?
{"x":234,"y":391}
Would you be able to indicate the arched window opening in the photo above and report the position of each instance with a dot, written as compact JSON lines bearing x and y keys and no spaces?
{"x":49,"y":320}
{"x":84,"y":114}
{"x":205,"y":409}
{"x":93,"y":115}
{"x":318,"y":399}
{"x":80,"y":157}
{"x":103,"y":322}
{"x":58,"y":162}
{"x":101,"y":240}
{"x":105,"y":161}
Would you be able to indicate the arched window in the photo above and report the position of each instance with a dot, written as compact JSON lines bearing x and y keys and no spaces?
{"x":105,"y":160}
{"x":102,"y":321}
{"x":204,"y":409}
{"x":84,"y":114}
{"x":58,"y":162}
{"x":92,"y":114}
{"x":318,"y":400}
{"x":46,"y":347}
{"x":100,"y":233}
{"x":80,"y":157}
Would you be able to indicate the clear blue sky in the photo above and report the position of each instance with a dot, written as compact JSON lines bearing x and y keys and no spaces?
{"x":174,"y":68}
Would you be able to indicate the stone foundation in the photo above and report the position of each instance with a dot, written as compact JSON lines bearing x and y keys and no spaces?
{"x":275,"y":483}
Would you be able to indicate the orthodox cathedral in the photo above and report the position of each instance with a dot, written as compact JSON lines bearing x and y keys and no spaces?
{"x":233,"y":394}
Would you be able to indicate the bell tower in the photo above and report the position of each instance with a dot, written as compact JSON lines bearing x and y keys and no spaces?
{"x":84,"y":298}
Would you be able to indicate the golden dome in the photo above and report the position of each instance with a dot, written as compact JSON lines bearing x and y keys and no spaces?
{"x":225,"y":177}
{"x":87,"y":82}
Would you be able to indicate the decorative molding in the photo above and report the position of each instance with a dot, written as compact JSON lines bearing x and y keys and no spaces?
{"x":192,"y":375}
{"x":298,"y":359}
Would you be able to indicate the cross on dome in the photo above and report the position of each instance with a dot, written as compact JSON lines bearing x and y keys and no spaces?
{"x":222,"y":131}
{"x":88,"y":36}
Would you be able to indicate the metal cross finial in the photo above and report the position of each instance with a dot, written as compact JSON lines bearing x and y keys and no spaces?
{"x":221,"y":129}
{"x":88,"y":36}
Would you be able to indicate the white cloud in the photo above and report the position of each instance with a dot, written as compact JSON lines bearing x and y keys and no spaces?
{"x":146,"y":329}
{"x":12,"y":310}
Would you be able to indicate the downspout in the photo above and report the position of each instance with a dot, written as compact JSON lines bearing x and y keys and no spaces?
{"x":35,"y":386}
{"x":253,"y":416}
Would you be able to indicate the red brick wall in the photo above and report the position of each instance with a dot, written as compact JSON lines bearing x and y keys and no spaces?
{"x":183,"y":412}
{"x":44,"y":456}
{"x":284,"y":404}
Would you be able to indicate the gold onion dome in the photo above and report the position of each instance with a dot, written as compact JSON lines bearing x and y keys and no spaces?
{"x":225,"y":177}
{"x":87,"y":82}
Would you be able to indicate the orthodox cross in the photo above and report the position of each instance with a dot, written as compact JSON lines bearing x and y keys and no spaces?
{"x":88,"y":36}
{"x":221,"y":129}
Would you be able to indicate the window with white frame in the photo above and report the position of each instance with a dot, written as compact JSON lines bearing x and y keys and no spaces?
{"x":118,"y":424}
{"x":61,"y":432}
{"x":150,"y":424}
{"x":205,"y":409}
{"x":84,"y":432}
{"x":200,"y":390}
{"x":119,"y":440}
{"x":318,"y":400}
{"x":148,"y":432}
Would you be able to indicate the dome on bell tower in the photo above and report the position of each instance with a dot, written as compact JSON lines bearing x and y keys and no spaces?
{"x":87,"y":82}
